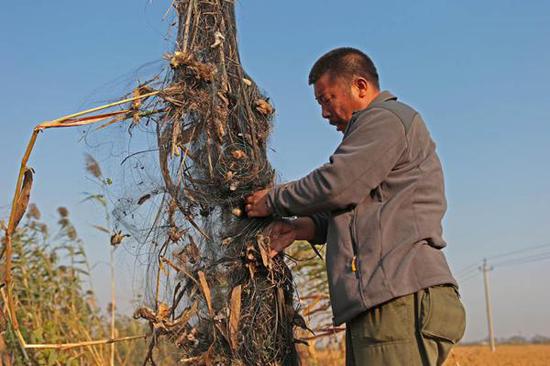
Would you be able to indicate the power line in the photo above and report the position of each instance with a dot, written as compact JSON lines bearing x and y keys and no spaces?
{"x":472,"y":273}
{"x":518,"y":257}
{"x":465,"y":271}
{"x":465,"y":279}
{"x":519,"y":251}
{"x":523,"y":260}
{"x":468,"y":273}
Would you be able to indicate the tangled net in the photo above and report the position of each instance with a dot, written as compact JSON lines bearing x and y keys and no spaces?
{"x":217,"y":295}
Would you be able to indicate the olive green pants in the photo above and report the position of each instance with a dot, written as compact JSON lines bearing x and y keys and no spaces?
{"x":417,"y":329}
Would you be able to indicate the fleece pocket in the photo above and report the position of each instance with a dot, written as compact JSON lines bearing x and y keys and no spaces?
{"x":443,"y":315}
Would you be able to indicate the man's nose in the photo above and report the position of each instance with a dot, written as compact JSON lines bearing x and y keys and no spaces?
{"x":325,"y":113}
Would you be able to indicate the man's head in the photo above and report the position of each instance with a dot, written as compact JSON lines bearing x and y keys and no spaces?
{"x":345,"y":80}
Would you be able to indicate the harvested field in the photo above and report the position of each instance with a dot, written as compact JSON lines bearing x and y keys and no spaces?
{"x":505,"y":355}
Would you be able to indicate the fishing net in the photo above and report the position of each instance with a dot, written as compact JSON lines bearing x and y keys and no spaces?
{"x":214,"y":292}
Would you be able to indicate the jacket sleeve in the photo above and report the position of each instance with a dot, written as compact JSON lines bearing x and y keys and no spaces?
{"x":320,"y":220}
{"x":370,"y":149}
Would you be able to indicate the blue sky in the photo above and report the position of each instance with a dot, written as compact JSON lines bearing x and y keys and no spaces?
{"x":477,"y":71}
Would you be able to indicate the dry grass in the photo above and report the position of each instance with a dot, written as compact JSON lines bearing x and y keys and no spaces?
{"x":517,"y":355}
{"x":56,"y":307}
{"x":505,"y":355}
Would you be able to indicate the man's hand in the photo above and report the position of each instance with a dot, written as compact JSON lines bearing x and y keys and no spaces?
{"x":256,"y":204}
{"x":281,"y":234}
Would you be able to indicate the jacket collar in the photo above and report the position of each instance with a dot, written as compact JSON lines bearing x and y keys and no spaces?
{"x":384,"y":96}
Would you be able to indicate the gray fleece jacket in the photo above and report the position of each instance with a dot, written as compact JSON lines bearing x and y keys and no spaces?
{"x":378,"y":204}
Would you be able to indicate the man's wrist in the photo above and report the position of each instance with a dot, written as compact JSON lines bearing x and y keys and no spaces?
{"x":303,"y":227}
{"x":269,"y":201}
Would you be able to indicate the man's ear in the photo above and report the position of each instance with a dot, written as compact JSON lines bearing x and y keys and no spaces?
{"x":362,"y":85}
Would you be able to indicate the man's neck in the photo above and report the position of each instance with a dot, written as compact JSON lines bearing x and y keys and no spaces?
{"x":370,"y":97}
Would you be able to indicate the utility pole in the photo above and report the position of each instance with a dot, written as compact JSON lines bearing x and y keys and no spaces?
{"x":485,"y":269}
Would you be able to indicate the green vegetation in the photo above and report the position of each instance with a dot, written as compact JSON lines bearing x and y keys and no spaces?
{"x":55,"y":301}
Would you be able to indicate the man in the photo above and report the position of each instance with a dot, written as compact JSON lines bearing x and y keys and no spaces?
{"x":378,"y":204}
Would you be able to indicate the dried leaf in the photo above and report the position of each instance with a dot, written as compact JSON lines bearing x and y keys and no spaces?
{"x":206,"y":292}
{"x":238,"y":154}
{"x":187,"y":314}
{"x":121,"y":116}
{"x":143,"y":198}
{"x":235,"y":316}
{"x":202,"y":71}
{"x":175,"y":235}
{"x":223,"y":98}
{"x":250,"y":250}
{"x":186,"y":136}
{"x":22,"y":199}
{"x":92,"y":166}
{"x":219,"y":38}
{"x":229,"y":175}
{"x":281,"y":302}
{"x":263,"y":245}
{"x":101,"y":228}
{"x":264,"y":107}
{"x":265,"y":257}
{"x":220,"y":130}
{"x":163,"y":268}
{"x":222,"y":329}
{"x":144,"y":313}
{"x":163,"y":311}
{"x":251,"y":269}
{"x":299,"y":321}
{"x":135,"y":105}
{"x":176,"y":131}
{"x":192,"y":250}
{"x":82,"y":121}
{"x":178,"y":58}
{"x":196,"y":360}
{"x":117,"y":238}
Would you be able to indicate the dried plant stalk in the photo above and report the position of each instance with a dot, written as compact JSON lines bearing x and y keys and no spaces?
{"x":21,"y":199}
{"x":218,"y":297}
{"x":212,"y":151}
{"x":64,"y":346}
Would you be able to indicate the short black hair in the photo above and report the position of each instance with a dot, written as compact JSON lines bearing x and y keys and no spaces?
{"x":345,"y":62}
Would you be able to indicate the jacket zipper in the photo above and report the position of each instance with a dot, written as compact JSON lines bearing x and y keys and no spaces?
{"x":355,"y":267}
{"x":353,"y":235}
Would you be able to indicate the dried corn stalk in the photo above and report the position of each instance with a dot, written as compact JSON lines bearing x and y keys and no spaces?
{"x":217,"y":296}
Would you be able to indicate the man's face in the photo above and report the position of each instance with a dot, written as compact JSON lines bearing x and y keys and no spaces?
{"x":337,"y":100}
